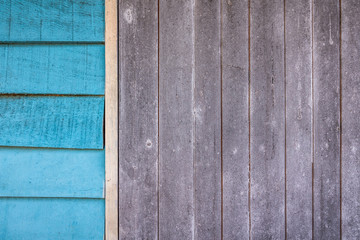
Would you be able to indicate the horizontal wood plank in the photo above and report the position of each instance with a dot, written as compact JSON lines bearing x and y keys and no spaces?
{"x":52,"y":69}
{"x":52,"y":20}
{"x":55,"y":122}
{"x":46,"y":218}
{"x":52,"y":173}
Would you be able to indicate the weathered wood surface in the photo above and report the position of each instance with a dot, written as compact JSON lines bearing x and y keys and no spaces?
{"x":30,"y":172}
{"x":298,"y":42}
{"x":55,"y":122}
{"x":326,"y":120}
{"x":267,"y":126}
{"x":176,"y":120}
{"x":207,"y":109}
{"x":235,"y":104}
{"x":52,"y":69}
{"x":350,"y":119}
{"x":51,"y":218}
{"x":138,"y":120}
{"x":52,"y":20}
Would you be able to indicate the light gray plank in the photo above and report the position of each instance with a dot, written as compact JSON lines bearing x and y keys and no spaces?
{"x":326,"y":120}
{"x":267,"y":126}
{"x":207,"y":108}
{"x":235,"y":61}
{"x":176,"y":119}
{"x":298,"y":44}
{"x":350,"y":119}
{"x":138,"y":120}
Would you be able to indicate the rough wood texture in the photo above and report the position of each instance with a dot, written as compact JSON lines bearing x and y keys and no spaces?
{"x":298,"y":35}
{"x":138,"y":120}
{"x":55,"y":122}
{"x":52,"y":20}
{"x":52,"y":69}
{"x":176,"y":126}
{"x":207,"y":108}
{"x":327,"y":120}
{"x":267,"y":128}
{"x":51,"y":173}
{"x":350,"y":119}
{"x":235,"y":61}
{"x":51,"y":218}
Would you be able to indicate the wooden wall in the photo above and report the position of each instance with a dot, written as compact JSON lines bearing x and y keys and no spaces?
{"x":238,"y":119}
{"x":52,"y":80}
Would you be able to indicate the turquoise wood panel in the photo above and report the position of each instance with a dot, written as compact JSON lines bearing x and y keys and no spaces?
{"x":31,"y":172}
{"x":55,"y":219}
{"x":52,"y":69}
{"x":55,"y":122}
{"x":52,"y":20}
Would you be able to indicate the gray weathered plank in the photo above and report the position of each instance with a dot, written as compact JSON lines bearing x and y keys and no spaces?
{"x":176,"y":119}
{"x":326,"y":120}
{"x":298,"y":30}
{"x":350,"y":119}
{"x":235,"y":61}
{"x":207,"y":108}
{"x":267,"y":126}
{"x":138,"y":120}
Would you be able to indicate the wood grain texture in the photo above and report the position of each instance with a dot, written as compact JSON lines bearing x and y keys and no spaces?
{"x":51,"y":218}
{"x":207,"y":108}
{"x":138,"y":120}
{"x":326,"y":120}
{"x":350,"y":119}
{"x":298,"y":30}
{"x":235,"y":61}
{"x":51,"y":173}
{"x":52,"y":20}
{"x":176,"y":126}
{"x":55,"y":122}
{"x":52,"y":69}
{"x":267,"y":128}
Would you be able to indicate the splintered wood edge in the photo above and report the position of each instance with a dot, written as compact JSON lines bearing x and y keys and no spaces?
{"x":111,"y":120}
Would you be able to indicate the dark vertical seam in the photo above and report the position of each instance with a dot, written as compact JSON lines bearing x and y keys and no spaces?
{"x":118,"y":112}
{"x":340,"y":62}
{"x":312,"y":125}
{"x":194,"y":117}
{"x":249,"y":117}
{"x":285,"y":155}
{"x":221,"y":119}
{"x":158,"y":126}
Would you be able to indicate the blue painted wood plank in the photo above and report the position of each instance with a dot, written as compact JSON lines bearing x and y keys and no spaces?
{"x":54,"y":122}
{"x":52,"y":20}
{"x":52,"y":69}
{"x":31,"y":172}
{"x":47,"y":218}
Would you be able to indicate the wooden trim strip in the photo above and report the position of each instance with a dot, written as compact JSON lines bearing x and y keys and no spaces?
{"x":111,"y":120}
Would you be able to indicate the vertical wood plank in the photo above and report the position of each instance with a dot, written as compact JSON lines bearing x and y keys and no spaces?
{"x":138,"y":120}
{"x":350,"y":119}
{"x":326,"y":120}
{"x":207,"y":108}
{"x":267,"y":127}
{"x":235,"y":61}
{"x":176,"y":116}
{"x":298,"y":30}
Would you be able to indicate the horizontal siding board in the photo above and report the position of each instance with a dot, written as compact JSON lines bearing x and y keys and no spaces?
{"x":52,"y":20}
{"x":52,"y":69}
{"x":45,"y":218}
{"x":54,"y":122}
{"x":28,"y":172}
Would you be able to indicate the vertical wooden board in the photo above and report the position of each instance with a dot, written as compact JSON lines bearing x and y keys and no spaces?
{"x":326,"y":120}
{"x":298,"y":35}
{"x":52,"y":69}
{"x":207,"y":108}
{"x":138,"y":120}
{"x":176,"y":119}
{"x":350,"y":119}
{"x":51,"y":218}
{"x":235,"y":77}
{"x":31,"y":172}
{"x":267,"y":126}
{"x":52,"y":20}
{"x":55,"y":122}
